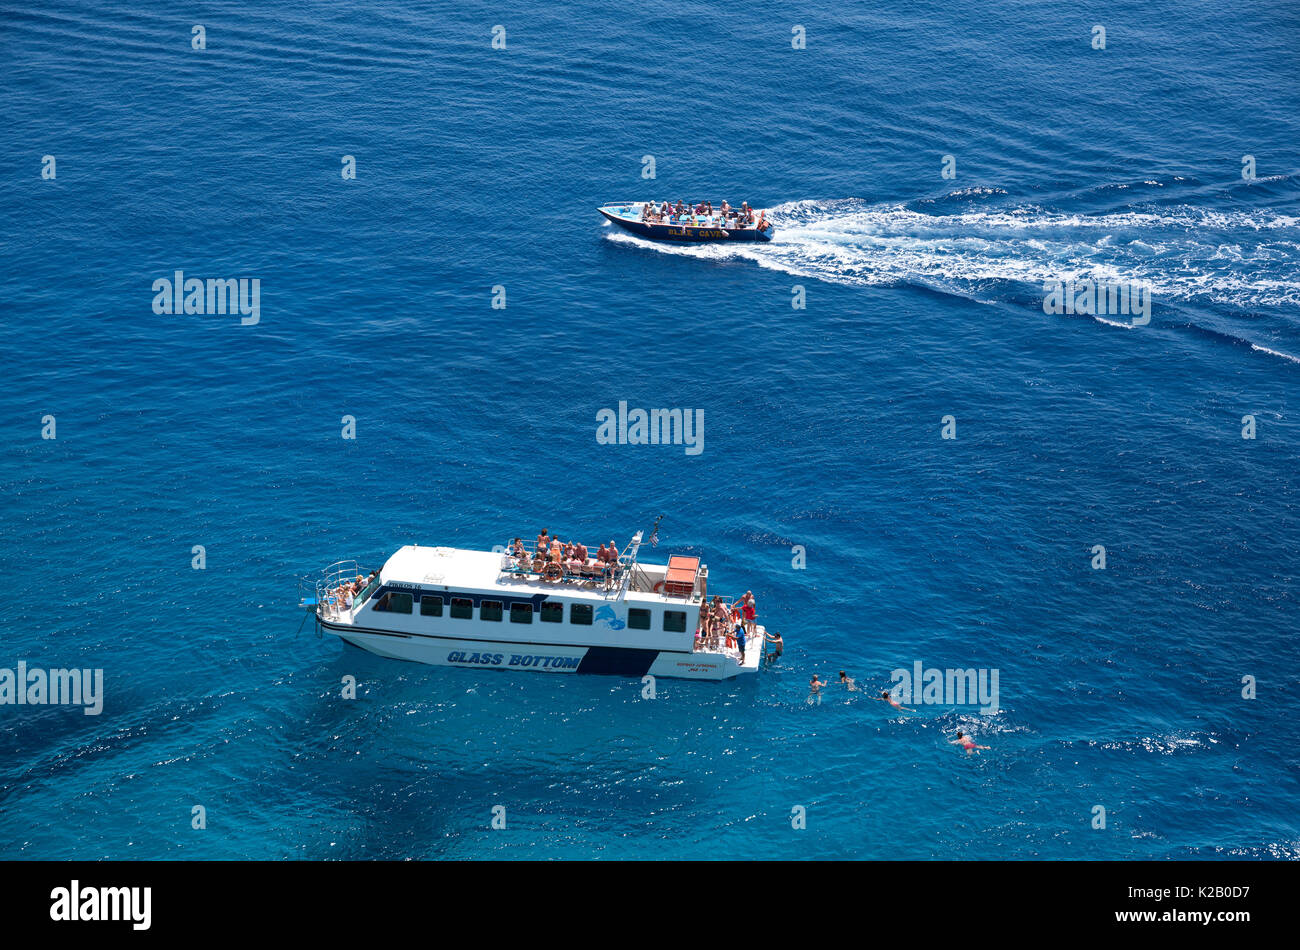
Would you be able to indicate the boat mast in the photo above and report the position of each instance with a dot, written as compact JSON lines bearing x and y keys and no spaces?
{"x":629,"y":557}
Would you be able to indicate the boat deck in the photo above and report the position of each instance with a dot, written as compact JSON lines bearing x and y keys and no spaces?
{"x":632,"y":212}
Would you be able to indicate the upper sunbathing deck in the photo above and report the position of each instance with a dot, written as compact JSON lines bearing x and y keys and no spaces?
{"x":461,"y":569}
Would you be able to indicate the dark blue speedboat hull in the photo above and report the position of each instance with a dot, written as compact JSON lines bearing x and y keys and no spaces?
{"x":628,"y":216}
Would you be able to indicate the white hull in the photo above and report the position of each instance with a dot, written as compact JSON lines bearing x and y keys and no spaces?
{"x":555,"y":659}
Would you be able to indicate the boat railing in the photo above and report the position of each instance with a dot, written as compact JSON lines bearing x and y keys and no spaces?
{"x":327,"y":584}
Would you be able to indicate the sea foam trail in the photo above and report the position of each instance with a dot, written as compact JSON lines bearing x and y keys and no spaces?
{"x":1238,"y":259}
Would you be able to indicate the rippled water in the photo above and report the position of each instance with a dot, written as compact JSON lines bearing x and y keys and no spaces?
{"x":924,"y":299}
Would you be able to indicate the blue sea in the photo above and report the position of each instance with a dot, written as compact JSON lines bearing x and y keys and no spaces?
{"x":1161,"y":688}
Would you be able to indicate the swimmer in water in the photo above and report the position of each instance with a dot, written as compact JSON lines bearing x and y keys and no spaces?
{"x":777,"y":646}
{"x":815,"y":690}
{"x":967,"y":743}
{"x":847,"y":682}
{"x":886,"y":697}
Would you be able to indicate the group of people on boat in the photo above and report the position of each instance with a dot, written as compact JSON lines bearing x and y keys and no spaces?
{"x":720,"y":622}
{"x":703,"y":215}
{"x":553,"y":559}
{"x":344,"y":596}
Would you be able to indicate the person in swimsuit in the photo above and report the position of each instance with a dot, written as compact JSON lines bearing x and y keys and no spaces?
{"x":611,"y":563}
{"x":720,"y":619}
{"x":777,"y":646}
{"x":886,"y":697}
{"x":847,"y":682}
{"x":967,"y":743}
{"x":815,"y":690}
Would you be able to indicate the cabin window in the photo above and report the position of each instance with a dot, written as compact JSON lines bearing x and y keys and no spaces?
{"x":521,"y":613}
{"x":395,"y":603}
{"x":491,"y":610}
{"x":638,"y":618}
{"x":675,"y":621}
{"x":430,"y":606}
{"x":552,"y":612}
{"x":462,"y":608}
{"x":580,"y":613}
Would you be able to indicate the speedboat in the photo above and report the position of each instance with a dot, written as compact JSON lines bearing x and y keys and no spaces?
{"x":632,"y":216}
{"x":509,"y":609}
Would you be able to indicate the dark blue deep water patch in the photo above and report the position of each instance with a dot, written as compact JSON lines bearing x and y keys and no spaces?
{"x":480,"y":168}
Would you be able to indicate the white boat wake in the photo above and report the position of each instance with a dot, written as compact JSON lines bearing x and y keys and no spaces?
{"x":1241,"y":259}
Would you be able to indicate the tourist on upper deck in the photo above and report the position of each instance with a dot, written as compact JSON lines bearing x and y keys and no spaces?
{"x":749,"y":612}
{"x":726,"y":208}
{"x":608,"y":558}
{"x":543,"y":542}
{"x":681,"y":207}
{"x":762,"y":220}
{"x":580,"y":552}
